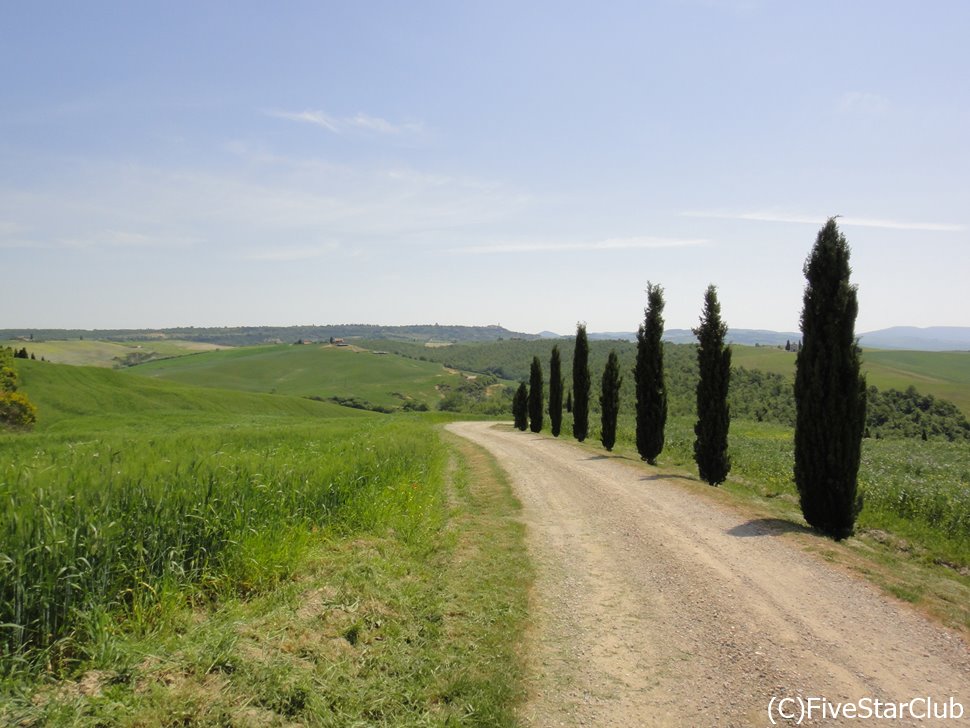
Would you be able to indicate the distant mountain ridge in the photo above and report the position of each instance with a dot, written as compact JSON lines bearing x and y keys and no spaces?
{"x":931,"y":338}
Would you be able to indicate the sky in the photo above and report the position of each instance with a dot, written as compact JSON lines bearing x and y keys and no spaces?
{"x":529,"y":164}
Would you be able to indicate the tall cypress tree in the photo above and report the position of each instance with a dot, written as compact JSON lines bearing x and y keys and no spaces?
{"x":649,"y":374}
{"x":713,"y":412}
{"x":581,"y":384}
{"x":830,"y":391}
{"x":520,"y":407}
{"x":555,"y":392}
{"x":610,"y":401}
{"x":535,"y":396}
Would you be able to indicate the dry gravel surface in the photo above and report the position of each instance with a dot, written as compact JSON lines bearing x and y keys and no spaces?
{"x":654,"y":607}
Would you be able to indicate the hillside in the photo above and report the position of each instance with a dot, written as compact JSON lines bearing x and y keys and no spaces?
{"x":322,"y":371}
{"x":101,"y":353}
{"x":89,"y":398}
{"x":944,"y":374}
{"x":760,"y":387}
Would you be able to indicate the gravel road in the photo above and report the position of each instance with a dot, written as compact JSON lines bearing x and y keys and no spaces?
{"x":655,"y":607}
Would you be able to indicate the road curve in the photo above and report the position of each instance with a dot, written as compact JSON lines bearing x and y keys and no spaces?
{"x":654,"y":607}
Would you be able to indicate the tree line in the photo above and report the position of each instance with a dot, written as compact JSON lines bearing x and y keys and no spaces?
{"x":830,"y":392}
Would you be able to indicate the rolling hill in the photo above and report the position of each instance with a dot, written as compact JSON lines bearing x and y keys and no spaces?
{"x":101,"y":353}
{"x":944,"y":374}
{"x":322,"y":371}
{"x":91,"y":398}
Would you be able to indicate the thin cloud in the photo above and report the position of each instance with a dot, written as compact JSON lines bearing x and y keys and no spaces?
{"x":340,"y":125}
{"x":318,"y":118}
{"x":820,"y":220}
{"x":597,"y":245}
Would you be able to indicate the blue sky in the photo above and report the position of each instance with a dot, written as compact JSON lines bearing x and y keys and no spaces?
{"x":529,"y":164}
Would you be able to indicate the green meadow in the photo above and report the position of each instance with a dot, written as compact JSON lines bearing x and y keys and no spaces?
{"x":312,"y":370}
{"x":944,"y":374}
{"x":172,"y":554}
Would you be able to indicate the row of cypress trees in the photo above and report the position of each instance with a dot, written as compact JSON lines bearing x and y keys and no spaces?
{"x":830,"y":391}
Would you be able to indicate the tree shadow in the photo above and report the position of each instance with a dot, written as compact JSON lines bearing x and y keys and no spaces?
{"x":669,"y":476}
{"x":767,"y":527}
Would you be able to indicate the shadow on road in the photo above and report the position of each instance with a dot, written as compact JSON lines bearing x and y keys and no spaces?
{"x":767,"y":527}
{"x":668,"y":476}
{"x":609,"y":457}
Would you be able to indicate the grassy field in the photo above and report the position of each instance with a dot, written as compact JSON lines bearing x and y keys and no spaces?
{"x":944,"y":374}
{"x":172,"y":555}
{"x":86,"y":352}
{"x":81,"y":400}
{"x":314,"y":370}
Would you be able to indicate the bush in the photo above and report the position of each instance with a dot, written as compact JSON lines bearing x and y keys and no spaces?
{"x":16,"y":410}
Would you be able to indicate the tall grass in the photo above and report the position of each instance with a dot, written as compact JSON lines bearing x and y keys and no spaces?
{"x":117,"y":525}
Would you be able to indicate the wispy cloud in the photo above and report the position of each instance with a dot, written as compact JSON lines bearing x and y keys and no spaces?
{"x":339,"y":125}
{"x":595,"y":245}
{"x":770,"y":216}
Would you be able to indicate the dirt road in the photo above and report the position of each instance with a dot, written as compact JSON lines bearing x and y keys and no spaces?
{"x":654,"y":607}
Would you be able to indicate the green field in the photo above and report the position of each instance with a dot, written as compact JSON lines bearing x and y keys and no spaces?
{"x":310,"y":371}
{"x":87,"y":352}
{"x":206,"y":556}
{"x":74,"y":399}
{"x":944,"y":374}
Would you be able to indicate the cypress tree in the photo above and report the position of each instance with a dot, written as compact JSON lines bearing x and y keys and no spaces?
{"x":535,"y":396}
{"x":713,"y":412}
{"x":520,"y":407}
{"x":830,"y":392}
{"x":649,"y":374}
{"x":581,"y":383}
{"x":569,"y":401}
{"x":555,"y":391}
{"x":610,"y":401}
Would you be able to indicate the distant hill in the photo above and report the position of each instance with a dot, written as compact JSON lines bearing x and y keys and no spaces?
{"x":686,"y":336}
{"x":931,"y":338}
{"x":250,"y":335}
{"x":322,"y":371}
